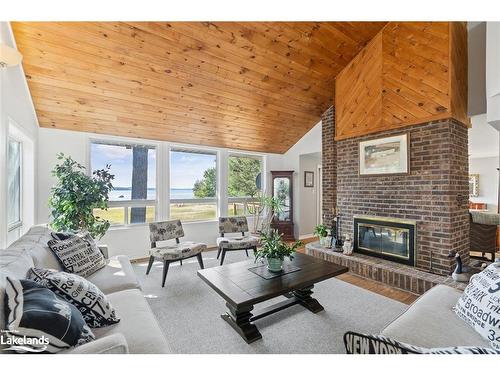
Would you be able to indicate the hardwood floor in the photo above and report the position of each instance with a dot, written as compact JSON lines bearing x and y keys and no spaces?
{"x":372,"y":285}
{"x":379,"y":288}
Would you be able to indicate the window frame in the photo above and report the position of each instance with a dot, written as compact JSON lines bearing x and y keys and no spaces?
{"x":216,"y":199}
{"x":127,"y":204}
{"x":247,"y":199}
{"x":11,"y":226}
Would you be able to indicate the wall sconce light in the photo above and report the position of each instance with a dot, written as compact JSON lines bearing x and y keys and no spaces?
{"x":9,"y":56}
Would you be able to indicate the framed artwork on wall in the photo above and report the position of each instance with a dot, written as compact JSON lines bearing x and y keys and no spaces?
{"x":308,"y":179}
{"x":384,"y":156}
{"x":474,"y":185}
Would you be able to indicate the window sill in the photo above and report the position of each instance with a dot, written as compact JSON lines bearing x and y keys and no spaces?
{"x":119,"y":227}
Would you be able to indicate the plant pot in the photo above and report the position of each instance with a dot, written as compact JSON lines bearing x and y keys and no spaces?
{"x":274,"y":264}
{"x":325,"y":241}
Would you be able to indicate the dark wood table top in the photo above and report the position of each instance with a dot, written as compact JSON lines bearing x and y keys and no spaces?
{"x":241,"y":287}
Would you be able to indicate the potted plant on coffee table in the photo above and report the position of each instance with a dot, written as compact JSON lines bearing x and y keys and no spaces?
{"x":274,"y":250}
{"x":321,"y":231}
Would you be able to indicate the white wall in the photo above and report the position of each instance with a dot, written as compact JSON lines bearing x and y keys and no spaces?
{"x":484,"y":156}
{"x":488,"y":181}
{"x":16,"y":107}
{"x":309,"y":143}
{"x":476,"y":68}
{"x":308,"y":197}
{"x":483,"y":138}
{"x":132,"y":240}
{"x":493,"y":73}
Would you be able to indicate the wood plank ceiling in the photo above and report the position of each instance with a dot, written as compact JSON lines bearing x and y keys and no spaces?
{"x":256,"y":86}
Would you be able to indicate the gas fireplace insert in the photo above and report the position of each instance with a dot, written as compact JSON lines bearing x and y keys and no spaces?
{"x":387,"y":238}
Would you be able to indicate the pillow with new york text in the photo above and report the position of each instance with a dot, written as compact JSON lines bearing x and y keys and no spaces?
{"x":78,"y":254}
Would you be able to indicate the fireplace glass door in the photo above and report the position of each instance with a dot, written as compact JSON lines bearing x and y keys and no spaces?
{"x":394,"y":241}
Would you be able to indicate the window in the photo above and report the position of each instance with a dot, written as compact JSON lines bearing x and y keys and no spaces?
{"x":14,"y":184}
{"x":193,"y":185}
{"x":244,"y":184}
{"x":133,"y":198}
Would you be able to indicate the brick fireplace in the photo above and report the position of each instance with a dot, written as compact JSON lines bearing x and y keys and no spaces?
{"x":434,"y":194}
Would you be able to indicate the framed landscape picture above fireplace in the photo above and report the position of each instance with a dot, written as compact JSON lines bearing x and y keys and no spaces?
{"x":384,"y":156}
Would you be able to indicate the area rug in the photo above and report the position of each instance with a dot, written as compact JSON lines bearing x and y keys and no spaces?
{"x":188,"y":312}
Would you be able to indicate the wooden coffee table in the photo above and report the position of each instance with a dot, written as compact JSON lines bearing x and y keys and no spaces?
{"x":243,"y":289}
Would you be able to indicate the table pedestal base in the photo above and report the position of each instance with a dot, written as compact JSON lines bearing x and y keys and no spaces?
{"x":241,"y":318}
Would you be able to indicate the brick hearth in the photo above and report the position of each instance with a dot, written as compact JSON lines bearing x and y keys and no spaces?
{"x":390,"y":273}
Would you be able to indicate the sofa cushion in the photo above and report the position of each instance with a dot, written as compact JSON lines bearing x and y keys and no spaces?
{"x":14,"y":264}
{"x":35,"y":243}
{"x":51,"y":323}
{"x":81,"y":293}
{"x":431,"y":322}
{"x":138,"y":323}
{"x":117,"y":275}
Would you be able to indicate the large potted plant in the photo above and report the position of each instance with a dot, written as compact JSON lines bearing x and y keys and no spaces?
{"x":274,"y":250}
{"x":76,"y":195}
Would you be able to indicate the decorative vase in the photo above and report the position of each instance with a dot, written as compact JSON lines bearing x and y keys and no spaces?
{"x":347,"y":247}
{"x":328,"y":242}
{"x":323,"y":241}
{"x":274,"y":264}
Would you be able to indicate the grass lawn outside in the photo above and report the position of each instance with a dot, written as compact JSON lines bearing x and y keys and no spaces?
{"x":183,"y":211}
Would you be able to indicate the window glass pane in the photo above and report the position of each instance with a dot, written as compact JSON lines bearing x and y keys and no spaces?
{"x":14,"y":182}
{"x":150,"y":212}
{"x":236,"y":209}
{"x":134,"y":168}
{"x":115,"y":215}
{"x":243,"y":175}
{"x":193,"y":211}
{"x":192,"y":175}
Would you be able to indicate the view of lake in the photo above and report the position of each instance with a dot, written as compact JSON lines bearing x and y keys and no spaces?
{"x":124,"y":194}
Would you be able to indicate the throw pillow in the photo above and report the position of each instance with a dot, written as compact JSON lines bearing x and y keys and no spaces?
{"x":479,"y":305}
{"x":81,"y":293}
{"x":38,"y":320}
{"x":61,"y":236}
{"x":357,"y":343}
{"x":78,"y":254}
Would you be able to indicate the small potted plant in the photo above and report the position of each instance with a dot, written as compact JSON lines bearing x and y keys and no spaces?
{"x":321,"y":231}
{"x":274,"y":250}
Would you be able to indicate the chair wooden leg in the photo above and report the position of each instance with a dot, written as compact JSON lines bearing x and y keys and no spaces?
{"x":223,"y":255}
{"x":200,"y":261}
{"x":166,"y":263}
{"x":218,"y":253}
{"x":246,"y":252}
{"x":181,"y":262}
{"x":150,"y":264}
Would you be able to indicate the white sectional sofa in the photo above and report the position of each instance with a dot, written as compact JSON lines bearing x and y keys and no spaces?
{"x":430,"y":322}
{"x":137,"y":332}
